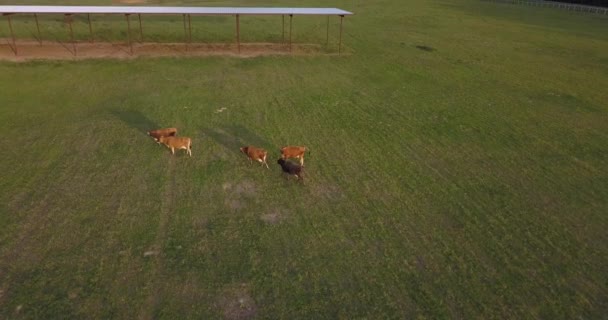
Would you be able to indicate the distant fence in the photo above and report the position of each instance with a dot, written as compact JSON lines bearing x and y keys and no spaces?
{"x":554,"y":4}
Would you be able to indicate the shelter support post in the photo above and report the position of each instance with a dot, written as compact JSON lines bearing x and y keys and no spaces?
{"x":68,"y":16}
{"x":189,"y":29}
{"x":327,"y":36}
{"x":91,"y":39}
{"x":38,"y":28}
{"x":238,"y":34}
{"x":129,"y":33}
{"x":290,"y":19}
{"x":185,"y":31}
{"x":10,"y":27}
{"x":340,"y":41}
{"x":141,"y":30}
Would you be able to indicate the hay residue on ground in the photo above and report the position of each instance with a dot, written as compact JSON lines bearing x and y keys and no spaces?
{"x":50,"y":50}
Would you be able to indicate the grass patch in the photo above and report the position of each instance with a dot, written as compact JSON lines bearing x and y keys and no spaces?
{"x":466,"y":182}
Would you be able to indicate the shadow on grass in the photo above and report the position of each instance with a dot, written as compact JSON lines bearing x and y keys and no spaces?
{"x":135,"y":119}
{"x":425,"y":48}
{"x":234,"y":137}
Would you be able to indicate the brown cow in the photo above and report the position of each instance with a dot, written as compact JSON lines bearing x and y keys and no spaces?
{"x":293,"y":152}
{"x":177,"y":143}
{"x":256,"y":154}
{"x":167,"y":132}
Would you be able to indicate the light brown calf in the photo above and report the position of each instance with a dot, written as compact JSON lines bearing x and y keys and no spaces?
{"x":293,"y":152}
{"x":167,"y":132}
{"x":177,"y":143}
{"x":256,"y":154}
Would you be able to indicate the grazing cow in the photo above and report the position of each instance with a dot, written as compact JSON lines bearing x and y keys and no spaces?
{"x":293,"y":152}
{"x":177,"y":143}
{"x":256,"y":154}
{"x":291,"y":168}
{"x":167,"y":132}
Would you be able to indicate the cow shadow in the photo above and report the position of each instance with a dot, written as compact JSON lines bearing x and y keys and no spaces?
{"x":135,"y":119}
{"x":234,"y":137}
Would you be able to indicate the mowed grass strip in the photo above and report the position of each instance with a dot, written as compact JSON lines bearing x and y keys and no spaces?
{"x":456,"y":170}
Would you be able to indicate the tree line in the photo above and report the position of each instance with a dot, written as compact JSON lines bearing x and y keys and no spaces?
{"x":597,"y":3}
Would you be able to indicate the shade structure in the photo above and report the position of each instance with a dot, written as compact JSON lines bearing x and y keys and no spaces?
{"x":186,"y":12}
{"x":172,"y":10}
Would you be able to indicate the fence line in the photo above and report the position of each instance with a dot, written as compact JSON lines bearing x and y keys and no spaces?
{"x":553,"y":4}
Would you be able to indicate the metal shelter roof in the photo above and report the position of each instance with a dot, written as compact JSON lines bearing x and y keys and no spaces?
{"x":172,"y":10}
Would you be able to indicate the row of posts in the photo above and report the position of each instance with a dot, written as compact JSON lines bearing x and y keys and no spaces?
{"x":187,"y":31}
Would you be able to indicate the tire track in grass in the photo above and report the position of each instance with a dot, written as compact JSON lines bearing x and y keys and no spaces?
{"x":156,"y":252}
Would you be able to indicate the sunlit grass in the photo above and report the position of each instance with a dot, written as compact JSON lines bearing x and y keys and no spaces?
{"x":457,"y":169}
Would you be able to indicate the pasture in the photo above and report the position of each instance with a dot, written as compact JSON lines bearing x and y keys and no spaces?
{"x":457,"y":170}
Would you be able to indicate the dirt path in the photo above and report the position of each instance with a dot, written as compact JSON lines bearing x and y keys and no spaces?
{"x":47,"y":50}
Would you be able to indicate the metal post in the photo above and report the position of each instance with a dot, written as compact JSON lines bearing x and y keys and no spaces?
{"x":38,"y":28}
{"x":185,"y":31}
{"x":141,"y":30}
{"x":238,"y":34}
{"x":290,"y":18}
{"x":327,"y":37}
{"x":189,"y":29}
{"x":90,"y":28}
{"x":69,"y":16}
{"x":129,"y":33}
{"x":340,"y":41}
{"x":10,"y":26}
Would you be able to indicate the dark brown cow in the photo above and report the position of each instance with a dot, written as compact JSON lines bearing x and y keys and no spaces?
{"x":291,"y":168}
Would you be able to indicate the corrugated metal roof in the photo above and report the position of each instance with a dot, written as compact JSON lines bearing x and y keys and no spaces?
{"x":173,"y":10}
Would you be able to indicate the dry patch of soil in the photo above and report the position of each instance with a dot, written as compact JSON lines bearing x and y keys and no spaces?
{"x":49,"y":50}
{"x":329,"y":192}
{"x":237,"y":193}
{"x":236,"y":303}
{"x":276,"y":216}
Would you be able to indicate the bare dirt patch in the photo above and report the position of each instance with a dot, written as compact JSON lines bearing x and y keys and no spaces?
{"x":276,"y":216}
{"x":237,"y":193}
{"x":245,"y":188}
{"x":49,"y":50}
{"x":329,"y":192}
{"x":236,"y":303}
{"x":200,"y":223}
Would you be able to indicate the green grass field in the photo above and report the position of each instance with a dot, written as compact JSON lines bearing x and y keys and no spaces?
{"x":467,"y":181}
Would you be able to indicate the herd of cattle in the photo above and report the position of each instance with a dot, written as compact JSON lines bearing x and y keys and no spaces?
{"x":169,"y":138}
